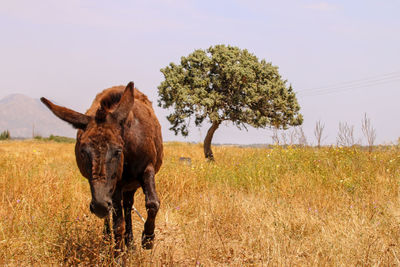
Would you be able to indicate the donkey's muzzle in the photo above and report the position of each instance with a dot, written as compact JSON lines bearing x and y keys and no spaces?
{"x":100,"y":209}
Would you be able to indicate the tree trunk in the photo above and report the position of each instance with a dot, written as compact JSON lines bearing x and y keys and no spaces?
{"x":207,"y":141}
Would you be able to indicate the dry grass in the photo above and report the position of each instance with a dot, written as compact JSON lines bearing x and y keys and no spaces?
{"x":253,"y":207}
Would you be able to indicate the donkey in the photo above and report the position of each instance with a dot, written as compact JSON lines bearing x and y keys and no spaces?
{"x":118,"y":149}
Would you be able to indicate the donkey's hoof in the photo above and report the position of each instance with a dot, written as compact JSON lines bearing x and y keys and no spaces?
{"x":129,"y":243}
{"x":147,"y":241}
{"x":131,"y":246}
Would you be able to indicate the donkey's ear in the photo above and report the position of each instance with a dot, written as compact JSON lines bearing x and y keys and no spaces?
{"x":78,"y":120}
{"x":125,"y":104}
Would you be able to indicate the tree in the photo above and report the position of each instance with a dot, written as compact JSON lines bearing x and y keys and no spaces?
{"x":225,"y":83}
{"x":345,"y":135}
{"x":368,"y":131}
{"x":318,"y":132}
{"x":284,"y":137}
{"x":292,"y":134}
{"x":301,"y":136}
{"x":275,"y":137}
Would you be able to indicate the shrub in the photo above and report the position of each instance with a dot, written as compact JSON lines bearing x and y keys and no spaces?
{"x":38,"y":137}
{"x":61,"y":139}
{"x":55,"y":138}
{"x":5,"y":135}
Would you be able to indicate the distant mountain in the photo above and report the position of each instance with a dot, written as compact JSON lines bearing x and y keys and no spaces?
{"x":24,"y":116}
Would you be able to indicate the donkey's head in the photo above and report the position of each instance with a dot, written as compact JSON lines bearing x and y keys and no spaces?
{"x":99,"y":147}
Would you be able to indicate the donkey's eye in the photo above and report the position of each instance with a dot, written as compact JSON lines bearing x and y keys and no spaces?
{"x":117,"y":152}
{"x":84,"y":153}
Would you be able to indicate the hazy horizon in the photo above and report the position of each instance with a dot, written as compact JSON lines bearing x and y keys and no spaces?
{"x":341,"y":57}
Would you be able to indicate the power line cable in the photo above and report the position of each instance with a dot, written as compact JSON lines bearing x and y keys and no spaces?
{"x":372,"y":82}
{"x":350,"y":85}
{"x":340,"y":84}
{"x":348,"y":88}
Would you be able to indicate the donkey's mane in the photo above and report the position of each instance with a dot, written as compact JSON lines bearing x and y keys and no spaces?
{"x":107,"y":100}
{"x":110,"y":100}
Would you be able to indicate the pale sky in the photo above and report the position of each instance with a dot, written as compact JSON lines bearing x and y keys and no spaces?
{"x":342,"y":57}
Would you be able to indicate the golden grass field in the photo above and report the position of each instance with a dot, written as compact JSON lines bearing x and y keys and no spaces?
{"x":252,"y":207}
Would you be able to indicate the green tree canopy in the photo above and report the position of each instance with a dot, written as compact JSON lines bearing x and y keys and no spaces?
{"x":225,"y":83}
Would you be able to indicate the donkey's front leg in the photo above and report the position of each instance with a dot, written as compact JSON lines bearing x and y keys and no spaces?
{"x":118,"y":221}
{"x":152,"y":206}
{"x":128,"y":203}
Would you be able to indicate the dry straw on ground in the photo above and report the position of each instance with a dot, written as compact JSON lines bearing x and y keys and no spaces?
{"x":252,"y":207}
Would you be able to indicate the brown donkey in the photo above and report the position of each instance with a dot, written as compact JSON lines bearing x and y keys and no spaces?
{"x":118,"y":149}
